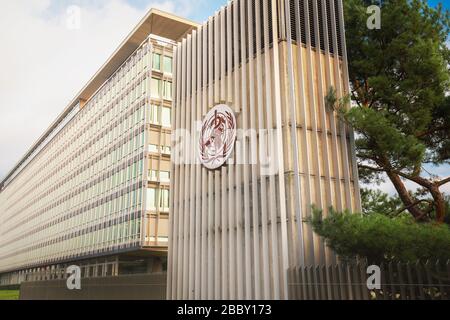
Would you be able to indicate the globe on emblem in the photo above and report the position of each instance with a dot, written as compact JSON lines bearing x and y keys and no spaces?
{"x":217,"y":137}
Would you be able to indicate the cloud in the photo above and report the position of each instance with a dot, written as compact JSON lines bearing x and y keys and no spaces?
{"x":44,"y":63}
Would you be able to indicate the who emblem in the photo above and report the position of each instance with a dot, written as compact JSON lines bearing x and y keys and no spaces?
{"x":217,"y":137}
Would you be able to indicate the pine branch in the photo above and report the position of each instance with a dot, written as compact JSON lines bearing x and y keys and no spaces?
{"x":442,"y":182}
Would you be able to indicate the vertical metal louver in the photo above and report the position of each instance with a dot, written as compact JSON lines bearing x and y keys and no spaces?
{"x":303,"y":12}
{"x":233,"y":61}
{"x":255,"y":49}
{"x":270,"y":23}
{"x":338,"y":26}
{"x":261,"y":22}
{"x":311,"y":23}
{"x":300,"y":6}
{"x":244,"y":25}
{"x":240,"y":33}
{"x":303,"y":15}
{"x":321,"y":28}
{"x":225,"y":17}
{"x":213,"y":27}
{"x":294,"y":22}
{"x":329,"y":26}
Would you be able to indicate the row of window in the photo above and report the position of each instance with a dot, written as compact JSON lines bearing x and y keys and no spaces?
{"x":119,"y":207}
{"x":153,"y":148}
{"x":65,"y":174}
{"x":123,"y":128}
{"x":130,"y":201}
{"x":132,"y":172}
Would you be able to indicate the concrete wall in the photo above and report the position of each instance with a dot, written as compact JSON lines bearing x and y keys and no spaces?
{"x":133,"y":287}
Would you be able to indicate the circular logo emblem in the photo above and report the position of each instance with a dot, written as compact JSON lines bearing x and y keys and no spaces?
{"x":217,"y":137}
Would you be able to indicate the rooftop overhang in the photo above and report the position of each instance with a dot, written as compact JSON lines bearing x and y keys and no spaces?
{"x":155,"y":22}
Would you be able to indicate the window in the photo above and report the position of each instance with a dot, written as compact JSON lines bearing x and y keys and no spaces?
{"x":153,"y":148}
{"x":151,"y":197}
{"x":134,"y":198}
{"x":155,"y":88}
{"x":139,"y":90}
{"x":168,"y":90}
{"x":166,"y":117}
{"x":167,"y":64}
{"x":135,"y":169}
{"x":164,"y":176}
{"x":157,"y":61}
{"x":153,"y":175}
{"x":164,"y":201}
{"x":166,"y":150}
{"x":154,"y":114}
{"x":144,"y":86}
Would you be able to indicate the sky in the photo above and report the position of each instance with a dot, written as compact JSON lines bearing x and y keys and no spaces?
{"x":46,"y":58}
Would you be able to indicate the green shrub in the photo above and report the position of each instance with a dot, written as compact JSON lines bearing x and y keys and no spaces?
{"x":380,"y":238}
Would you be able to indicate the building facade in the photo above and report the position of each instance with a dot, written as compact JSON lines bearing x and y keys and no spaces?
{"x":235,"y":231}
{"x":94,"y":190}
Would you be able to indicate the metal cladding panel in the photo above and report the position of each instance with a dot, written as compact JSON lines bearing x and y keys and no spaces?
{"x":236,"y":230}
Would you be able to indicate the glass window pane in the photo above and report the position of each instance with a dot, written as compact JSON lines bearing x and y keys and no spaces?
{"x":155,"y":89}
{"x":153,"y":148}
{"x":164,"y":176}
{"x":156,"y":61}
{"x":166,"y":117}
{"x":154,"y":114}
{"x":166,"y":150}
{"x":151,"y":196}
{"x":167,"y":64}
{"x":164,"y":200}
{"x":152,"y":175}
{"x":167,"y":90}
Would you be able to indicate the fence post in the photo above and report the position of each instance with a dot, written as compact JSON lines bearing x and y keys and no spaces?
{"x":412,"y":289}
{"x":420,"y":280}
{"x":293,"y":284}
{"x":442,"y":290}
{"x":330,"y":281}
{"x":402,"y":284}
{"x":363,"y":279}
{"x":341,"y":283}
{"x":302,"y":284}
{"x":335,"y":280}
{"x":429,"y":280}
{"x":348,"y":274}
{"x":325,"y":283}
{"x":356,"y":283}
{"x":383,"y":290}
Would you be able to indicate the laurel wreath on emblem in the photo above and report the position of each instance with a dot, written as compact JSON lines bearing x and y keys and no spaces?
{"x":217,"y":138}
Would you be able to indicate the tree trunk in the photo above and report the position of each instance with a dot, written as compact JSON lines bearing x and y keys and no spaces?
{"x":404,"y":195}
{"x":439,"y":203}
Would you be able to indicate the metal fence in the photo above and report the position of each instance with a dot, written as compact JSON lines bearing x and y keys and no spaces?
{"x":348,"y":281}
{"x":124,"y":287}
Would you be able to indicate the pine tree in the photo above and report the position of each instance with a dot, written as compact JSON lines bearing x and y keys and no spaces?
{"x":400,"y":82}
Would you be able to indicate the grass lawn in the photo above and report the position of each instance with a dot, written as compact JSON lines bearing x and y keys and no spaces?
{"x":9,"y":294}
